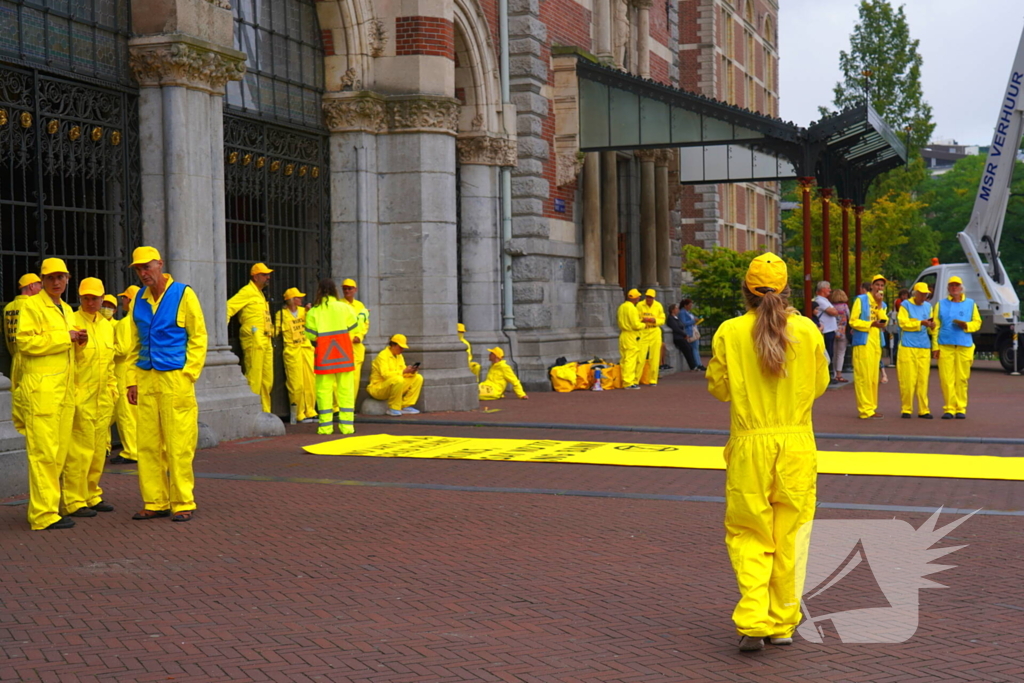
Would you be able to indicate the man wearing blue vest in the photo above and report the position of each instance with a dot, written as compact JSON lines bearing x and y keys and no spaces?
{"x":955,"y":319}
{"x":914,"y":361}
{"x":868,"y":319}
{"x":168,"y":351}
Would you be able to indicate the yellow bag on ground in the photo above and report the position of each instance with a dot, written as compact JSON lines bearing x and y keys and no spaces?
{"x":584,"y":376}
{"x":611,"y":377}
{"x":644,"y":373}
{"x":563,"y":378}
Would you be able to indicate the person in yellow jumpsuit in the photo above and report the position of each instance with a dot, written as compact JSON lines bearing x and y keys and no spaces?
{"x":290,"y":325}
{"x":868,"y":318}
{"x":956,"y":318}
{"x":348,"y":293}
{"x":167,"y":355}
{"x":256,"y":332}
{"x":769,"y":365}
{"x":28,"y":285}
{"x":474,"y":367}
{"x":914,"y":361}
{"x":395,"y":381}
{"x":631,"y":329}
{"x":329,"y":325}
{"x":95,"y":394}
{"x":499,"y":376}
{"x":45,"y":397}
{"x":652,"y":315}
{"x":126,"y":415}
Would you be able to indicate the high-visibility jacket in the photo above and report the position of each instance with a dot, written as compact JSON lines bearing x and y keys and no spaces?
{"x":255,"y":312}
{"x":188,"y":316}
{"x":910,"y":315}
{"x":330,"y":325}
{"x":948,"y":334}
{"x":292,"y":328}
{"x":866,"y":311}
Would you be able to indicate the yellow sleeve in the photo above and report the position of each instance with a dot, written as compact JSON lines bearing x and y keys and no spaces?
{"x":659,"y":315}
{"x":237,"y":302}
{"x":938,"y":325}
{"x":907,"y":324}
{"x":634,"y":319}
{"x":277,"y":323}
{"x":195,"y":327}
{"x":112,"y":375}
{"x":717,"y":373}
{"x":311,"y":324}
{"x":975,"y":324}
{"x":32,"y":341}
{"x":855,"y":321}
{"x":823,"y":374}
{"x":510,"y":377}
{"x":10,"y":320}
{"x":363,"y":323}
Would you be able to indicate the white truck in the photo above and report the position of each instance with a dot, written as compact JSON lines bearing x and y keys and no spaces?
{"x":984,"y":277}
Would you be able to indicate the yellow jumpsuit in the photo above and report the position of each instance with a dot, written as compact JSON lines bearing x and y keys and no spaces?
{"x":650,"y":339}
{"x":95,"y":394}
{"x":255,"y":334}
{"x":473,"y":367}
{"x":125,"y":414}
{"x":955,"y":362}
{"x":630,"y":332}
{"x":11,"y":311}
{"x":362,"y":314}
{"x":866,"y":357}
{"x":388,"y":381}
{"x":168,"y":412}
{"x":45,"y":399}
{"x":499,"y":376}
{"x":771,"y":467}
{"x":914,"y":362}
{"x":298,"y":361}
{"x":335,"y":391}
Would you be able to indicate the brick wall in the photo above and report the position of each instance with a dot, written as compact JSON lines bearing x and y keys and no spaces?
{"x":431,"y":36}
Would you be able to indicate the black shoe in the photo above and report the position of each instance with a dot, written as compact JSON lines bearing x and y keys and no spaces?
{"x":961,"y":416}
{"x":926,"y":416}
{"x":84,"y":512}
{"x":118,"y":460}
{"x":664,"y":367}
{"x":906,"y":416}
{"x":102,"y":507}
{"x":62,"y":523}
{"x":947,"y":416}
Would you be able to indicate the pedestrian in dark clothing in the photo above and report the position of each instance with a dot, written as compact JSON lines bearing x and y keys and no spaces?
{"x":679,"y":336}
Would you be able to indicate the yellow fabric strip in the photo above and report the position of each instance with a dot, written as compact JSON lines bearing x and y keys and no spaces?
{"x":655,"y":455}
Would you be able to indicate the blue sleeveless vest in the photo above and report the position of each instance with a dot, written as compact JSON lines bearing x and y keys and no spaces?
{"x":950,"y":334}
{"x":919,"y":339}
{"x":861,"y":338}
{"x":163,"y":342}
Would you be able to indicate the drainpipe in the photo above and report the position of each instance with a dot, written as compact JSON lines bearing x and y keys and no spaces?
{"x":508,"y":317}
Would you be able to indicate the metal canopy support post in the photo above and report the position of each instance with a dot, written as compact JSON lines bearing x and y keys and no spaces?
{"x":846,"y":203}
{"x":857,"y":212}
{"x":805,"y":187}
{"x":826,"y":234}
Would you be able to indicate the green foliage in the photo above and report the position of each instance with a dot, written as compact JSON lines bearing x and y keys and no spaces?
{"x":717,"y":274}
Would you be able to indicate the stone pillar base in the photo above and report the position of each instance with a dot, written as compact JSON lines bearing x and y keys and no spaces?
{"x":227,"y":407}
{"x":13,"y":460}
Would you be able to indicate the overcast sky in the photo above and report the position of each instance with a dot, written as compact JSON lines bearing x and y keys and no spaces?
{"x":967,"y":46}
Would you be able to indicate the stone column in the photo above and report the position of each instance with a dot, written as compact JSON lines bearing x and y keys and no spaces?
{"x":610,"y":218}
{"x":643,"y":37}
{"x":182,"y":79}
{"x":663,"y":246}
{"x":603,"y":30}
{"x":648,"y":218}
{"x":592,"y":219}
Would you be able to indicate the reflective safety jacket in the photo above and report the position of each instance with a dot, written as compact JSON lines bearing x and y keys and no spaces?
{"x":948,"y":334}
{"x":329,"y":325}
{"x":656,"y":311}
{"x":292,"y":328}
{"x":362,"y":314}
{"x":95,"y":380}
{"x":866,"y":311}
{"x":44,"y":342}
{"x":187,"y":316}
{"x":387,"y":365}
{"x":255,"y":309}
{"x":500,"y":376}
{"x":909,"y":318}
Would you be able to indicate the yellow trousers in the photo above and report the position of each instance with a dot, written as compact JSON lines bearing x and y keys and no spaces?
{"x":865,"y":378}
{"x":19,"y":421}
{"x":90,"y":439}
{"x":169,"y":417}
{"x":954,"y":375}
{"x":649,"y":354}
{"x":770,"y":487}
{"x":337,"y":389}
{"x":629,"y":357}
{"x":299,"y":377}
{"x":46,"y":404}
{"x":359,"y":350}
{"x":399,"y":392}
{"x":126,"y":416}
{"x":258,"y":363}
{"x":913,"y":367}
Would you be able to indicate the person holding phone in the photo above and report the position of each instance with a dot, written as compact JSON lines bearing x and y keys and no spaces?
{"x":395,"y":381}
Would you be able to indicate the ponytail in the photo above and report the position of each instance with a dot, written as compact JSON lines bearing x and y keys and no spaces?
{"x":770,"y":338}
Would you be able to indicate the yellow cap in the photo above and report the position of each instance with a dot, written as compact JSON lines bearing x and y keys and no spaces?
{"x":260,"y":269}
{"x":922,"y":287}
{"x":91,"y":285}
{"x":497,"y":352}
{"x":877,"y":278}
{"x":400,"y":340}
{"x":460,"y":328}
{"x":130,"y":292}
{"x":54,"y":265}
{"x":348,"y":282}
{"x":292,"y":292}
{"x":955,"y":280}
{"x":109,"y":299}
{"x":633,"y":294}
{"x":651,"y":293}
{"x":28,"y":279}
{"x":144,"y":255}
{"x":767,"y":271}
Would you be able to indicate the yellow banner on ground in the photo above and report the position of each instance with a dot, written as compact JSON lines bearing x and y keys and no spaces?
{"x":662,"y":455}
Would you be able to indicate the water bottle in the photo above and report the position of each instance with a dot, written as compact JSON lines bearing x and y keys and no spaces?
{"x":597,"y":380}
{"x":292,"y":414}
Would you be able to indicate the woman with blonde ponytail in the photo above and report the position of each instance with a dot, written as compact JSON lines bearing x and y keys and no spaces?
{"x":769,"y":365}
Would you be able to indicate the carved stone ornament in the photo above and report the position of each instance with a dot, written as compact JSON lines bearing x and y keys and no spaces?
{"x":373,"y":113}
{"x":487,"y":151}
{"x":647,"y":154}
{"x":424,"y":113}
{"x":378,"y":37}
{"x":185,"y":63}
{"x":223,"y":4}
{"x":568,"y":167}
{"x":364,"y":112}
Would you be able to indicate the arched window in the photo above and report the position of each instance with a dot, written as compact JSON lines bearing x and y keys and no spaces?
{"x":748,"y":12}
{"x":769,"y":30}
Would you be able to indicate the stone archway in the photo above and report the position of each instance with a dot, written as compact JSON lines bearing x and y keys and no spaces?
{"x":353,"y":37}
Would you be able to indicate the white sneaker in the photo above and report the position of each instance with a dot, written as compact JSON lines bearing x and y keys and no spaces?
{"x":394,"y":413}
{"x":782,"y":640}
{"x":410,"y":411}
{"x":751,"y":644}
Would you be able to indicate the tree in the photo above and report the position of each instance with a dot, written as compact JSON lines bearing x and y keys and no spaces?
{"x":716,"y":273}
{"x":883,"y":66}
